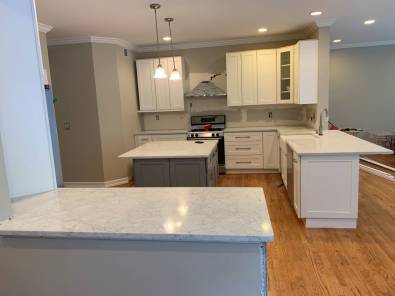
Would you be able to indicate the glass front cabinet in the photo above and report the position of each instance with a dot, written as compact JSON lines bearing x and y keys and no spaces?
{"x":285,"y":60}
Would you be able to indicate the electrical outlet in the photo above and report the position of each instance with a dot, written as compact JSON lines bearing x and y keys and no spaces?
{"x":67,"y":126}
{"x":157,"y":116}
{"x":270,"y":114}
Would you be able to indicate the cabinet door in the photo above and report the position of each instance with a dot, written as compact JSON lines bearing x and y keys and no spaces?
{"x":271,"y":150}
{"x":176,"y":87}
{"x":306,"y":72}
{"x":188,"y":172}
{"x":233,"y":78}
{"x":145,"y":79}
{"x":285,"y":75}
{"x":162,"y":88}
{"x":267,"y":76}
{"x":296,"y":172}
{"x":151,"y":172}
{"x":249,"y":88}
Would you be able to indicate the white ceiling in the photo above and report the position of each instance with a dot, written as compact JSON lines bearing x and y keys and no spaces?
{"x":214,"y":20}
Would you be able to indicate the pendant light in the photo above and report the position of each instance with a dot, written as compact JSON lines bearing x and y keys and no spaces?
{"x":160,"y":73}
{"x":175,"y":75}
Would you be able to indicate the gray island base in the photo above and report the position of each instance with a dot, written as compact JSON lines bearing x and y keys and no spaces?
{"x":137,"y":241}
{"x":175,"y":164}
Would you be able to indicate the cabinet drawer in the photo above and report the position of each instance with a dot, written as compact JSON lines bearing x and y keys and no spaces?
{"x":243,"y":148}
{"x":169,"y":137}
{"x":244,"y":162}
{"x":257,"y":137}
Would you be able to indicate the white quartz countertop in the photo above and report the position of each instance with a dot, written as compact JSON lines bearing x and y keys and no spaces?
{"x":161,"y":132}
{"x":282,"y":130}
{"x":333,"y":142}
{"x":209,"y":214}
{"x":172,"y":149}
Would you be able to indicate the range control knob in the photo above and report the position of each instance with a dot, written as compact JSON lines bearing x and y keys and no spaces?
{"x":213,"y":135}
{"x":217,"y":134}
{"x":196,"y":135}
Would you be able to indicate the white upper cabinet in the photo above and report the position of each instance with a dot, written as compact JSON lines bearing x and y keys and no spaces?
{"x":145,"y":79}
{"x":306,"y":72}
{"x":249,"y":78}
{"x":162,"y":88}
{"x":159,"y":95}
{"x":176,"y":87}
{"x":233,"y":78}
{"x":285,"y":77}
{"x":267,"y":76}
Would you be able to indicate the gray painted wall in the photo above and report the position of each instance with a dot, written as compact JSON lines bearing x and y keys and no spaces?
{"x":95,"y":85}
{"x":362,"y":88}
{"x":74,"y":86}
{"x":5,"y":201}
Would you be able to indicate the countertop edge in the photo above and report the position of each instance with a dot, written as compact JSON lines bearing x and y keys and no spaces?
{"x":137,"y":237}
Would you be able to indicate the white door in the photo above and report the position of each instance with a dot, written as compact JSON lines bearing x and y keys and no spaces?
{"x":249,"y":77}
{"x":176,"y":86}
{"x":267,"y":76}
{"x":145,"y":79}
{"x":271,"y":150}
{"x":162,"y":88}
{"x":285,"y":75}
{"x":233,"y":78}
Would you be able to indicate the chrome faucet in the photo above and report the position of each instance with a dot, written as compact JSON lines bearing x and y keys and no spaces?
{"x":320,"y":129}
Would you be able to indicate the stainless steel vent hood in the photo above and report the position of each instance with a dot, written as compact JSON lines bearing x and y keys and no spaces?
{"x":206,"y":89}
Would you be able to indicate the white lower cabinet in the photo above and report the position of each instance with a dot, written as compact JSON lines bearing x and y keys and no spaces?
{"x":251,"y":151}
{"x":142,"y":139}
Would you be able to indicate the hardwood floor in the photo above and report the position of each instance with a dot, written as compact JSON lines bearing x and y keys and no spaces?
{"x":330,"y":262}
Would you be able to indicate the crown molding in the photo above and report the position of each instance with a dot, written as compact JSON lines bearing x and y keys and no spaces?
{"x":91,"y":39}
{"x":251,"y":40}
{"x":363,"y":44}
{"x":44,"y":28}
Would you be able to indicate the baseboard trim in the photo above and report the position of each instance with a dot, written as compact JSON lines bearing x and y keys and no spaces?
{"x":250,"y":171}
{"x":330,"y":223}
{"x":105,"y":184}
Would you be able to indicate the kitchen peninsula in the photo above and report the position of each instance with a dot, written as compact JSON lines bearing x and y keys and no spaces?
{"x":323,"y":177}
{"x":175,"y":163}
{"x":152,"y":241}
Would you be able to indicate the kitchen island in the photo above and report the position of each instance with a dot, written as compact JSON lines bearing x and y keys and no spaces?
{"x":175,"y":164}
{"x":137,"y":241}
{"x":323,"y":177}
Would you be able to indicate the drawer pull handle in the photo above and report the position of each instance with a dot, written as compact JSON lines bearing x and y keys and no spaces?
{"x":242,"y":137}
{"x":243,"y":148}
{"x":240,"y":162}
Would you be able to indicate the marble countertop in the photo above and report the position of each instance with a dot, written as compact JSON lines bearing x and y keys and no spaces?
{"x":282,"y":130}
{"x":210,"y":214}
{"x":161,"y":132}
{"x":172,"y":149}
{"x":333,"y":142}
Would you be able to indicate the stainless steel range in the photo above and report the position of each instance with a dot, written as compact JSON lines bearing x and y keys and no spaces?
{"x":210,"y":127}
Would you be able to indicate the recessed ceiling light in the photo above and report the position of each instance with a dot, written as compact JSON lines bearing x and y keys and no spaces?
{"x":337,"y":41}
{"x":369,"y":22}
{"x":315,"y":13}
{"x":166,"y":38}
{"x":262,"y":30}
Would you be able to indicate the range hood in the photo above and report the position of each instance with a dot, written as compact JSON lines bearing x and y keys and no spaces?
{"x":206,"y":89}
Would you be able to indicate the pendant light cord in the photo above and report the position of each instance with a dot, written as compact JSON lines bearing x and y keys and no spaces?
{"x":171,"y":46}
{"x":157,"y":36}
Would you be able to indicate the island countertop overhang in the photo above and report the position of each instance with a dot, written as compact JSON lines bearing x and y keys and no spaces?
{"x":228,"y":215}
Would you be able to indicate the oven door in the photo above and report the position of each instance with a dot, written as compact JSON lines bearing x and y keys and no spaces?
{"x":221,"y":151}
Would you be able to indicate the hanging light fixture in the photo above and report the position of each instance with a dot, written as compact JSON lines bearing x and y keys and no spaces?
{"x":160,"y":73}
{"x":175,"y":75}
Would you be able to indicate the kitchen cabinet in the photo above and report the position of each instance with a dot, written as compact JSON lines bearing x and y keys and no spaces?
{"x":285,"y":76}
{"x":271,"y":150}
{"x":233,"y":79}
{"x":160,"y":95}
{"x":252,"y":150}
{"x":306,"y":72}
{"x":267,"y":76}
{"x":146,"y":85}
{"x":249,"y":87}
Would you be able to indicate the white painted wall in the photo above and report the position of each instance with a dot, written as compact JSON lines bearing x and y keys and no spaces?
{"x":24,"y":126}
